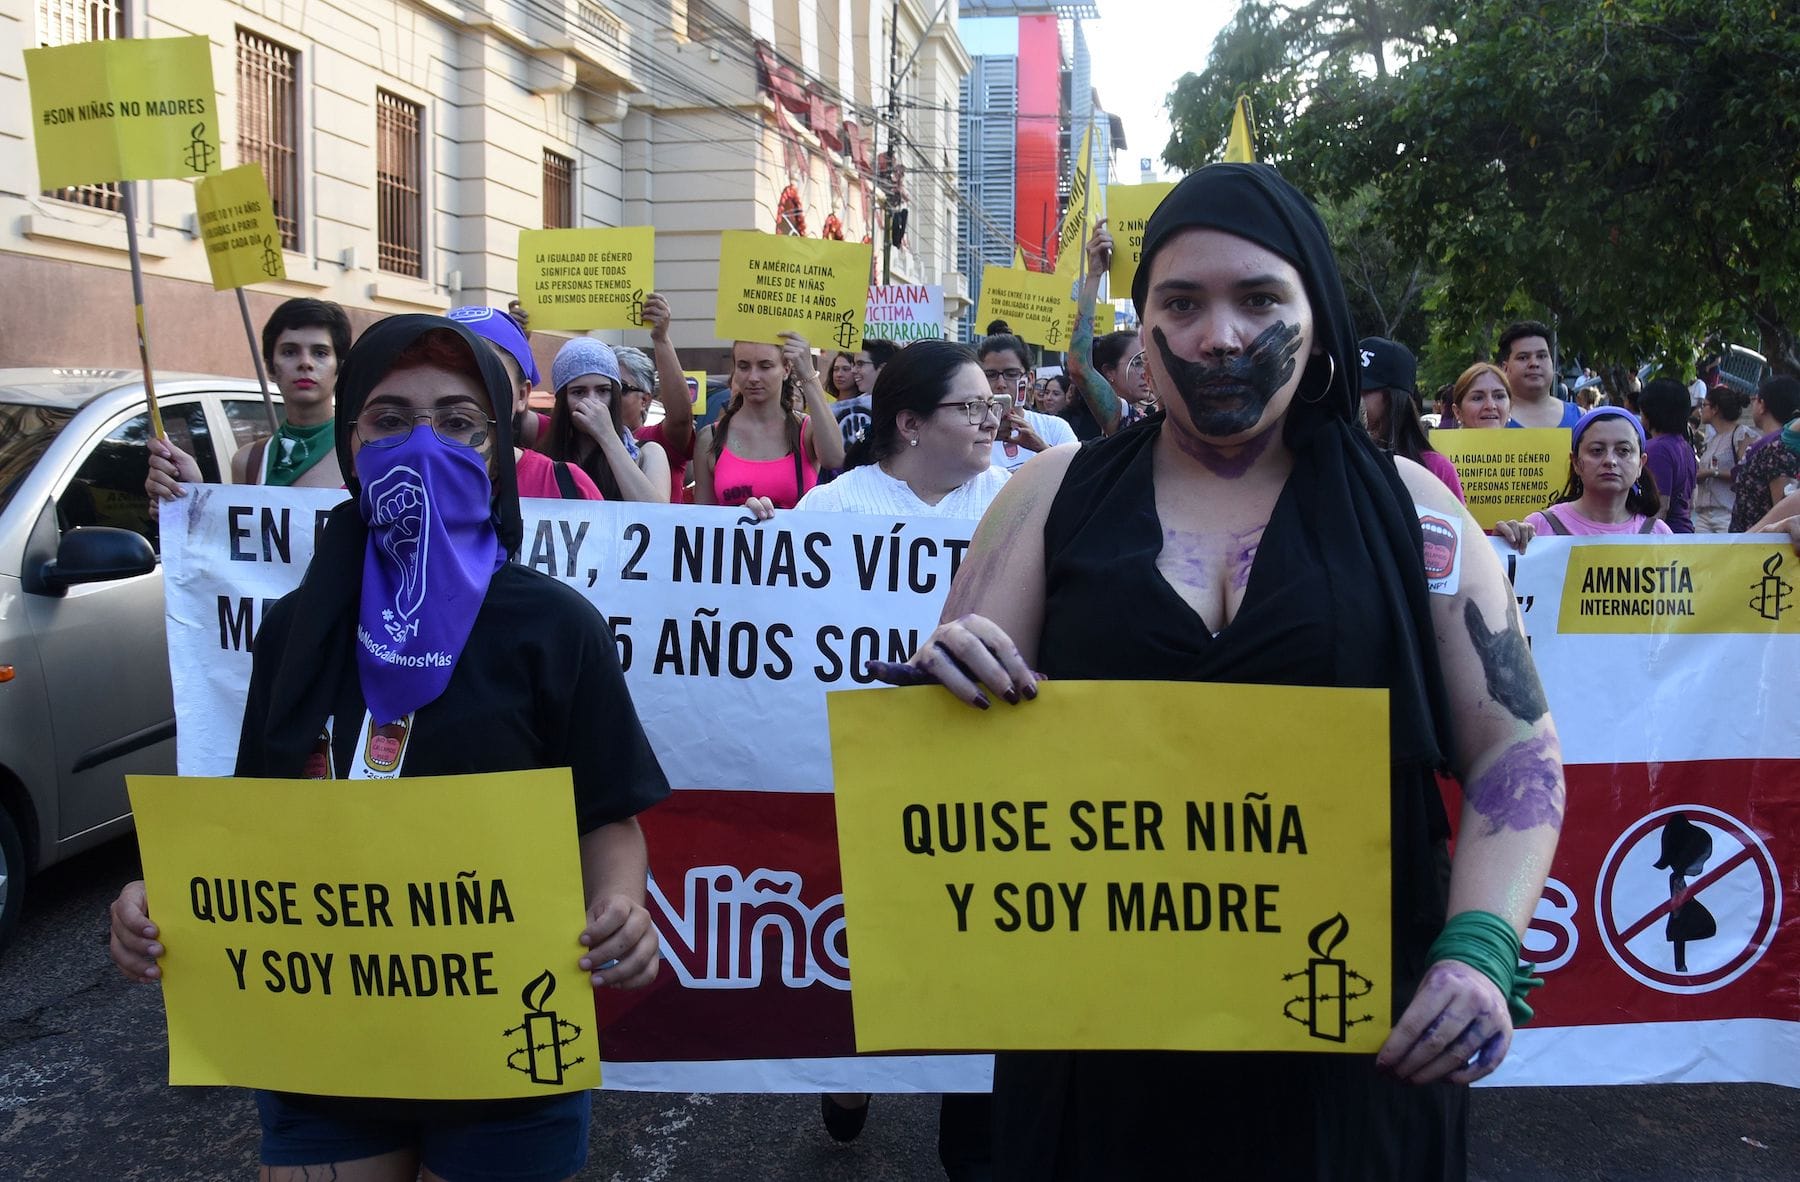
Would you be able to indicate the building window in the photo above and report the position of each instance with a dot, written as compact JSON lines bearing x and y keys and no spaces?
{"x":559,"y":192}
{"x":268,"y":115}
{"x":398,"y":187}
{"x":69,"y":22}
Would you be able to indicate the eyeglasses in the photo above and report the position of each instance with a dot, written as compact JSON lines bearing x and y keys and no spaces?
{"x":1010,"y":376}
{"x":978,"y":409}
{"x":390,"y":426}
{"x":637,"y":390}
{"x":1137,"y":361}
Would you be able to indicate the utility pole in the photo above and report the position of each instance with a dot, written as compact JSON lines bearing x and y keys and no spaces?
{"x":894,"y":219}
{"x":889,"y":187}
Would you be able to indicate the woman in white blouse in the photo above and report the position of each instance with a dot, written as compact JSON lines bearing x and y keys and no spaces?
{"x":927,"y":453}
{"x":930,"y":440}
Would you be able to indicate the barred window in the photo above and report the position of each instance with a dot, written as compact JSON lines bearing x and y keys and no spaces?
{"x":559,"y":191}
{"x":69,"y":22}
{"x":398,"y":184}
{"x":268,"y":113}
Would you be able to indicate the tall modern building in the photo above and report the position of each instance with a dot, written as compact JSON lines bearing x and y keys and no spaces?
{"x":1028,"y":94}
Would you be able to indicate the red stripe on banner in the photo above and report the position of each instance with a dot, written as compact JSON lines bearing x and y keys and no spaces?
{"x":1613,"y":922}
{"x":751,"y":913}
{"x":751,"y":919}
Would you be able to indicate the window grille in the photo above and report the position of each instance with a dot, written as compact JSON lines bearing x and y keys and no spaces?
{"x":268,"y":114}
{"x":399,"y":190}
{"x":559,"y":191}
{"x":69,"y":22}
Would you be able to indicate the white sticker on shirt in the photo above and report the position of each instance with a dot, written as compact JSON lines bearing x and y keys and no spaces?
{"x":1442,"y":551}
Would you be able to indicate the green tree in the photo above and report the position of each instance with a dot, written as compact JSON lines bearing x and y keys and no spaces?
{"x":1631,"y":167}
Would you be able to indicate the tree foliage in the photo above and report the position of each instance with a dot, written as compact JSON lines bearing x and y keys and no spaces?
{"x":1631,"y":168}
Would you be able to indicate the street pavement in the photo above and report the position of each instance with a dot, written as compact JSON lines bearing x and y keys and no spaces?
{"x":83,"y":1063}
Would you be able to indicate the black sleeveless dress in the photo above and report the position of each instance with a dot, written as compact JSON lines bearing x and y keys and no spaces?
{"x":1237,"y":1116}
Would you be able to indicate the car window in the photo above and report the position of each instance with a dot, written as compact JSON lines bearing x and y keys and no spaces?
{"x":108,"y":487}
{"x":248,"y":418}
{"x":26,"y":433}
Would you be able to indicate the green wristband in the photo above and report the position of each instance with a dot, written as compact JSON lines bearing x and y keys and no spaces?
{"x":1488,"y":944}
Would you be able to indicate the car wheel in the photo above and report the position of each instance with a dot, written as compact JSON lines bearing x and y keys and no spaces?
{"x":12,"y":876}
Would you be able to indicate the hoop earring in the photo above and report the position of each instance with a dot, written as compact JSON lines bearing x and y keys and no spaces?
{"x":1330,"y":379}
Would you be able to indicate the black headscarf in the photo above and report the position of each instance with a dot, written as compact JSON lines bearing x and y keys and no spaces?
{"x":319,"y":646}
{"x":1352,"y":498}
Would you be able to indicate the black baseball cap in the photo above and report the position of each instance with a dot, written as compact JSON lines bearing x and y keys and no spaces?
{"x":1387,"y":365}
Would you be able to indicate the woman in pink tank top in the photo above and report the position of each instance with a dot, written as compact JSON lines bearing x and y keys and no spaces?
{"x":764,"y":453}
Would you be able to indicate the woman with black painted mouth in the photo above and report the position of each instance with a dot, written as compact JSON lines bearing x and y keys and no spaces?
{"x":1259,"y":535}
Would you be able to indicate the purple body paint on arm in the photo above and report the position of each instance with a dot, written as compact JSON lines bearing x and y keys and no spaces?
{"x":1521,"y":790}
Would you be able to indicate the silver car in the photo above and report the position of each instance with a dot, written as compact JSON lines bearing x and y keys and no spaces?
{"x":84,"y":661}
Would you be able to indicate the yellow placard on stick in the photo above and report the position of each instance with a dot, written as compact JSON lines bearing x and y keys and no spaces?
{"x":582,"y":279}
{"x":418,"y":942}
{"x":1643,"y":589}
{"x":1128,"y":208}
{"x":1037,"y":306}
{"x":1015,"y":885}
{"x":775,"y":283}
{"x":1506,"y":474}
{"x":237,"y":223}
{"x":123,"y":110}
{"x":696,"y":384}
{"x":1072,"y":239}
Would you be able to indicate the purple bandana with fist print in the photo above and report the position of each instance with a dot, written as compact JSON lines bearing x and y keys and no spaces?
{"x":432,"y":550}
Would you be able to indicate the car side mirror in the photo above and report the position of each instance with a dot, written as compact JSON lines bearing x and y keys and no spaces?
{"x":97,"y":554}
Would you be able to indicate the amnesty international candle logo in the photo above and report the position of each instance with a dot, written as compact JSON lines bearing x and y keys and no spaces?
{"x":1773,"y":594}
{"x":1679,"y":590}
{"x":1331,"y":985}
{"x":201,"y":155}
{"x":546,"y":1035}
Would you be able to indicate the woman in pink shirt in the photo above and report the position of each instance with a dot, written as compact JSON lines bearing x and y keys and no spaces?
{"x":764,"y":453}
{"x":1608,"y":493}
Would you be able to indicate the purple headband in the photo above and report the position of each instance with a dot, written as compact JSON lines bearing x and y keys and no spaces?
{"x":1606,"y":412}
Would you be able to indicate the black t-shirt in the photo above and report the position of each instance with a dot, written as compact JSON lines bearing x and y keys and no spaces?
{"x":1082,"y":419}
{"x":537,"y":686}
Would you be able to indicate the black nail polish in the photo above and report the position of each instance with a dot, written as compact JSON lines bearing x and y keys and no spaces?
{"x":1011,"y":696}
{"x":982,"y":701}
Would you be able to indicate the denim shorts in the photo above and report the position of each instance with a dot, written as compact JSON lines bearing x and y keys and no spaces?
{"x":536,"y":1140}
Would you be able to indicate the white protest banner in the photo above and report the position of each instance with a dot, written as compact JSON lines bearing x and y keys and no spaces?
{"x":722,"y":625}
{"x":905,"y":312}
{"x":732,"y":633}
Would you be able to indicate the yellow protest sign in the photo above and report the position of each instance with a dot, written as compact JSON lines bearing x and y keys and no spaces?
{"x":1681,"y":590}
{"x":415,"y":938}
{"x":1036,"y":306}
{"x":237,"y":223}
{"x":696,"y":384}
{"x":775,"y":283}
{"x":1013,"y":885}
{"x":1128,"y":208}
{"x":1072,"y":242}
{"x":584,"y":279}
{"x":123,"y":110}
{"x":1506,"y":474}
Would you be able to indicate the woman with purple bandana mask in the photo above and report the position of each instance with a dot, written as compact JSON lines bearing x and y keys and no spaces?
{"x":406,"y":627}
{"x":1261,"y":537}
